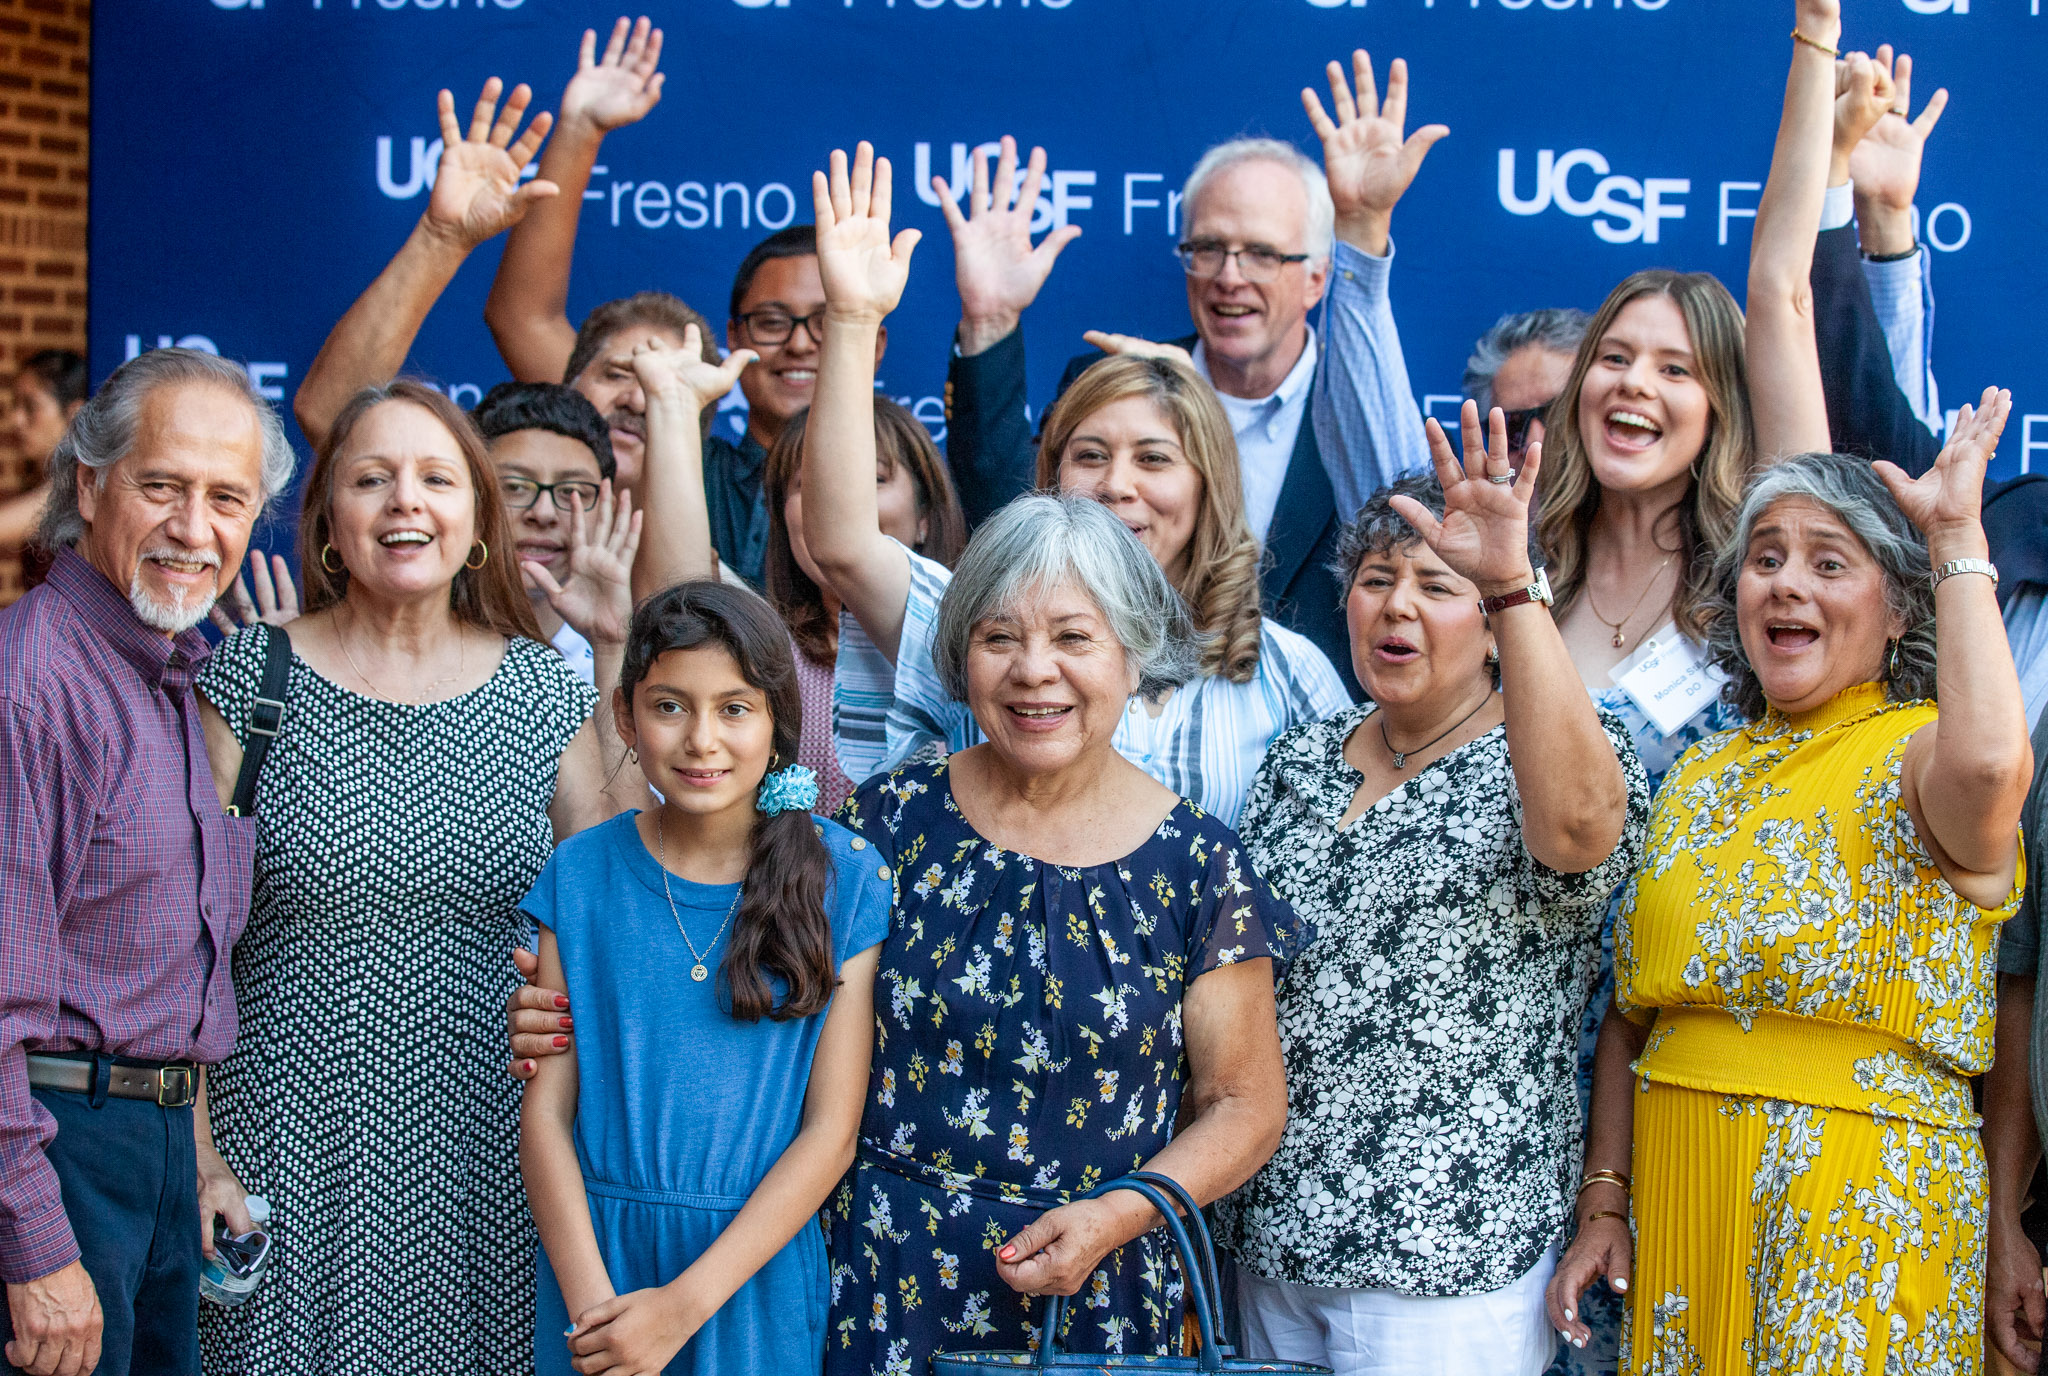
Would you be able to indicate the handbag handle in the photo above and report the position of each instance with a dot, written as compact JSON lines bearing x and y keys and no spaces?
{"x":1210,"y":1358}
{"x":1210,"y":1273}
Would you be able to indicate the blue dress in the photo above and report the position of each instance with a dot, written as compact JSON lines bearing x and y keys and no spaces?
{"x":682,"y":1108}
{"x":1027,"y":1047}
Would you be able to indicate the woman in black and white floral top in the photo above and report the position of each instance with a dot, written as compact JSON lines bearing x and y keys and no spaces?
{"x":1454,"y":842}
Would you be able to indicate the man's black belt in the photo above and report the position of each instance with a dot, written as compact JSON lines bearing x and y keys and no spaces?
{"x":168,"y":1084}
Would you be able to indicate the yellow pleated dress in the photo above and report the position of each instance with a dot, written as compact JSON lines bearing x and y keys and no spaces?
{"x":1809,"y":1187}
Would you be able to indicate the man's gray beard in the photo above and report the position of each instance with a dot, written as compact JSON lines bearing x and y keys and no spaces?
{"x":171,"y":617}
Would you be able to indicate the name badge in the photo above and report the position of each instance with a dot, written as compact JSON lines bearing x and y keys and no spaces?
{"x":1669,"y":679}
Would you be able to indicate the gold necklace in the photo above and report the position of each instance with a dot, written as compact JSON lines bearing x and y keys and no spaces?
{"x":461,"y":661}
{"x":698,"y":971}
{"x":1602,"y":617}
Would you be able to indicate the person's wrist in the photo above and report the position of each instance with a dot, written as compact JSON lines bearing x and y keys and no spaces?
{"x":442,"y":238}
{"x":853,"y":318}
{"x":1945,"y":547}
{"x":1601,"y":1196}
{"x":1883,"y":230}
{"x":1494,"y":587}
{"x":981,"y":332}
{"x":1368,"y":231}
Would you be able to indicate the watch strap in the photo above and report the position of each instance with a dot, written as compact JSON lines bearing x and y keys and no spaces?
{"x":1956,"y":566}
{"x":1538,"y":591}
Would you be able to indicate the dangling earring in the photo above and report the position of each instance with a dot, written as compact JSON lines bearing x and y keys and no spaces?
{"x":480,"y":560}
{"x":326,"y":550}
{"x":1493,"y":658}
{"x":1694,"y":468}
{"x":633,"y":754}
{"x":1891,"y":672}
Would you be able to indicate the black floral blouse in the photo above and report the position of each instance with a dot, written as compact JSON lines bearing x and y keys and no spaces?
{"x":1432,"y":1028}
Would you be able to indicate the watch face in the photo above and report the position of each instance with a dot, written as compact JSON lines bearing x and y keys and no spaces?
{"x":1541,"y":591}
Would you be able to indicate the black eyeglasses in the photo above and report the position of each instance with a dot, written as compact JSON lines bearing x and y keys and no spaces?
{"x":1206,"y":257}
{"x":1519,"y":423}
{"x":776,"y":326}
{"x":522,"y":493}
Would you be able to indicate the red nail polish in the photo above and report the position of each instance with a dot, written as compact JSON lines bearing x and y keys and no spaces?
{"x":561,"y":1041}
{"x":566,"y":1023}
{"x":529,"y":1067}
{"x":1008,"y":1254}
{"x":561,"y":1000}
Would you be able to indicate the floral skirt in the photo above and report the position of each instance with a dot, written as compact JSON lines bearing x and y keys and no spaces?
{"x":1774,"y":1237}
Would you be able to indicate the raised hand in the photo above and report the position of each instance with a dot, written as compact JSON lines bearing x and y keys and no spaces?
{"x":276,"y":602}
{"x":596,"y":599}
{"x":1885,"y":165}
{"x":1863,"y":93}
{"x":864,"y":271}
{"x":476,"y":189}
{"x":682,"y":374}
{"x":1136,"y":347}
{"x":1948,"y":499}
{"x":1368,"y":161}
{"x":997,"y":270}
{"x":1484,"y":533}
{"x":622,"y":86}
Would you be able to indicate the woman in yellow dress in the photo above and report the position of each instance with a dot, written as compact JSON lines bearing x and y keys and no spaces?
{"x":1804,"y":963}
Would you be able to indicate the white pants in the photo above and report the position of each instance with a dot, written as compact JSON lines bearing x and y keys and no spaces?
{"x":1385,"y":1333}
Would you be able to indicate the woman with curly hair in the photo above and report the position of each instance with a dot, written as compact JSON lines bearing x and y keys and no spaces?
{"x":1145,"y":437}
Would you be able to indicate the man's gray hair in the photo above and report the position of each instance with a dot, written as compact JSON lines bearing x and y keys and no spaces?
{"x":1321,"y":230}
{"x":1847,"y":487}
{"x":1040,"y":541}
{"x":1559,"y":329}
{"x":103,"y":431}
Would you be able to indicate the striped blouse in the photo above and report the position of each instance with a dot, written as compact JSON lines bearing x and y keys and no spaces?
{"x":1205,"y":744}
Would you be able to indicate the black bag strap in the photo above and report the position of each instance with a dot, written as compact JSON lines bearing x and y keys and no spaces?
{"x":266,"y":715}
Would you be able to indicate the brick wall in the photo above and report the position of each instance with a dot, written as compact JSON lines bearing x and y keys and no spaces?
{"x":45,"y":50}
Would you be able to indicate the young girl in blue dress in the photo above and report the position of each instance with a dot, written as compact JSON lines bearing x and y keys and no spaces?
{"x":720,"y":951}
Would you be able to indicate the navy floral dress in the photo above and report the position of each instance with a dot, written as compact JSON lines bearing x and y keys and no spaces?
{"x":1027,"y":1047}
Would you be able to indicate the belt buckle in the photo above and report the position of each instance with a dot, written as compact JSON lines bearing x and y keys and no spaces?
{"x":165,"y":1096}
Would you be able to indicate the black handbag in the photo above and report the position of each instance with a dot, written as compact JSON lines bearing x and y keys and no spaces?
{"x":266,"y":715}
{"x":1198,"y":1269}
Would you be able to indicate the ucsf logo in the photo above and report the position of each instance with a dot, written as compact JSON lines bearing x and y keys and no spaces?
{"x":1623,"y":209}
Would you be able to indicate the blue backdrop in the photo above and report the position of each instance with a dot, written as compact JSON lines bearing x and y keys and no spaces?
{"x":255,"y":162}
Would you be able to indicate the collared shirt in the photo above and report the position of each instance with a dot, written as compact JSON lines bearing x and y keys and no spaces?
{"x":1266,"y":429}
{"x":1902,"y":291}
{"x":123,"y":885}
{"x":575,"y":652}
{"x":732,"y":498}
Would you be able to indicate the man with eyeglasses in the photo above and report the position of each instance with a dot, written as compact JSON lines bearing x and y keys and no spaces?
{"x":1267,"y":234}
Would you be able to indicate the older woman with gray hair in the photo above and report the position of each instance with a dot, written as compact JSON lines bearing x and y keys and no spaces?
{"x":1804,"y":977}
{"x":1078,"y":981}
{"x":1453,"y":841}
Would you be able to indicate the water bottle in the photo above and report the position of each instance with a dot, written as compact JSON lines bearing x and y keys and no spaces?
{"x":238,"y":1262}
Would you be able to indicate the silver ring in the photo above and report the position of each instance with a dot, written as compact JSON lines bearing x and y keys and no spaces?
{"x":1502,"y":478}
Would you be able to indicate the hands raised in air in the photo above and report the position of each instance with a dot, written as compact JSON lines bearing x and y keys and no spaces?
{"x":477,"y":192}
{"x":276,"y":602}
{"x":681,"y":374}
{"x":1369,"y":162}
{"x":1864,"y":92}
{"x":596,"y":599}
{"x":1947,"y":501}
{"x":1885,"y":164}
{"x":863,"y":269}
{"x":997,"y":270}
{"x":619,"y":88}
{"x":1484,"y":533}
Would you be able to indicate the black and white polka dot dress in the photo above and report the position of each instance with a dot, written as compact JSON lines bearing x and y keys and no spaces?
{"x":367,"y":1097}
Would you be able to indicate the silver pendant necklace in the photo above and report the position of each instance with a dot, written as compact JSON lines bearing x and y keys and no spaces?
{"x":698,"y":971}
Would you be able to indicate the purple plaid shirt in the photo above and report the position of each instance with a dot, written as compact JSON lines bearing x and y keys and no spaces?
{"x":123,"y":885}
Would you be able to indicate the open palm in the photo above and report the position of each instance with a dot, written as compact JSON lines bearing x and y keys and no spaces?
{"x":1886,"y":164}
{"x":681,"y":373}
{"x":477,"y":192}
{"x":1484,"y":532}
{"x":620,"y":87}
{"x":1369,"y":161}
{"x":1950,"y":496}
{"x":864,"y":271}
{"x":997,"y":269}
{"x":596,"y":598}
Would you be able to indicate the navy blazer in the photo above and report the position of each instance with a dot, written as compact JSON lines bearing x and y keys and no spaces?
{"x":1870,"y":417}
{"x":986,"y":418}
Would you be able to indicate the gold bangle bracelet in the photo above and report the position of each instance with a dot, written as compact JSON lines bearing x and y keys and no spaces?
{"x":1799,"y":37}
{"x":1599,"y":1214}
{"x":1604,"y":1178}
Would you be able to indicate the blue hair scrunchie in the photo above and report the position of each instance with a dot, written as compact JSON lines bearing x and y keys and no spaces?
{"x":793,"y":788}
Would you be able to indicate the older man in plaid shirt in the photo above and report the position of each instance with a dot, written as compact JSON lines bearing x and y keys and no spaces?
{"x":123,"y":883}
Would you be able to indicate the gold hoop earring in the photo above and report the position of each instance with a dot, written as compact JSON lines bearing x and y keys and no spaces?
{"x":480,"y":561}
{"x":326,"y":550}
